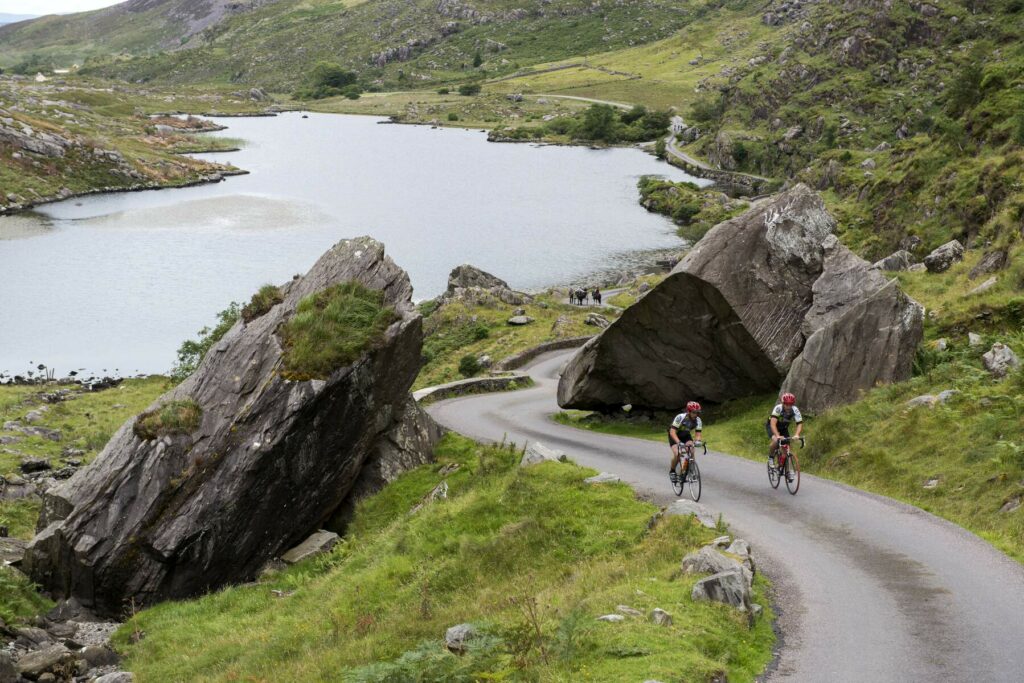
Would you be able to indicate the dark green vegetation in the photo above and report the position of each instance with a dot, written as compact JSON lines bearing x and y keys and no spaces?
{"x":170,"y":419}
{"x":909,"y":115}
{"x":333,"y":328}
{"x":262,"y":301}
{"x":598,"y":123}
{"x":695,"y":211}
{"x":330,"y":80}
{"x":19,"y":600}
{"x":446,"y":42}
{"x":191,"y":351}
{"x":962,"y":459}
{"x":529,"y":555}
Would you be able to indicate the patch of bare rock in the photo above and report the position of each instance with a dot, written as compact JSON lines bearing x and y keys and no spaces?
{"x":767,"y":299}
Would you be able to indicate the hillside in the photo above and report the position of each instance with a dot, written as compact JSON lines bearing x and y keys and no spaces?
{"x":387,"y":41}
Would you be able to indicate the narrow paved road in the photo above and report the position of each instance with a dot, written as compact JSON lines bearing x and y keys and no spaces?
{"x":868,"y":589}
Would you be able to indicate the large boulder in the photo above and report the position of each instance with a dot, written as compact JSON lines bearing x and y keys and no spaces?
{"x":769,"y":295}
{"x":725,"y":323}
{"x":269,"y":461}
{"x":942,"y":258}
{"x":476,"y":286}
{"x":874,"y":342}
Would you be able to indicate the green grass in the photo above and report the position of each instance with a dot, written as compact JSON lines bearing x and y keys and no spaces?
{"x":332,"y":328}
{"x":262,"y":301}
{"x":19,"y":600}
{"x":531,"y":556}
{"x":458,"y":329}
{"x":170,"y":419}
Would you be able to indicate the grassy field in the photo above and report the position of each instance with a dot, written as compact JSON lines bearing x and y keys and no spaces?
{"x":962,"y":459}
{"x":529,"y":556}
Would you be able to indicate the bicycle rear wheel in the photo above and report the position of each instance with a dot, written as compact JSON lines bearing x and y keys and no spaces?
{"x":773,"y":474}
{"x":693,"y":480}
{"x":792,"y":474}
{"x":677,"y":487}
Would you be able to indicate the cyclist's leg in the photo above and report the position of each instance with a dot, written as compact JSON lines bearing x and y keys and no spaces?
{"x":675,"y":455}
{"x":684,"y":441}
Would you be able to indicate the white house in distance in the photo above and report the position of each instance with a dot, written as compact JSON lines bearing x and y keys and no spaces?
{"x":40,"y":78}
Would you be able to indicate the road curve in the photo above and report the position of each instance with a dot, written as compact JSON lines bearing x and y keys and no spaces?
{"x":867,"y":589}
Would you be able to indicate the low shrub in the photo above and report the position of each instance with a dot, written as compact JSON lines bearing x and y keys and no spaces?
{"x":333,"y":328}
{"x":262,"y":301}
{"x":469,"y":365}
{"x":469,"y":89}
{"x":173,"y":417}
{"x":192,"y":351}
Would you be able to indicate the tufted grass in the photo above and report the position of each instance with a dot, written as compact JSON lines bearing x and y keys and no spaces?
{"x":507,"y":543}
{"x":173,"y":417}
{"x":262,"y":301}
{"x":333,"y":328}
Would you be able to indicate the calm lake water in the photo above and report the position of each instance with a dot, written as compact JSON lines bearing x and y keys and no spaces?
{"x":116,"y":282}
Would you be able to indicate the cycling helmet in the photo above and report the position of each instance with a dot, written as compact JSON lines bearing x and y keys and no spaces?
{"x":693,"y":405}
{"x":788,"y":399}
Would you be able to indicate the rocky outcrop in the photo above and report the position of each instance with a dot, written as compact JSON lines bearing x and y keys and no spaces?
{"x":268,"y":462}
{"x":476,"y":286}
{"x":735,"y":316}
{"x":898,"y":260}
{"x":991,"y":262}
{"x":942,"y":258}
{"x":1000,"y":360}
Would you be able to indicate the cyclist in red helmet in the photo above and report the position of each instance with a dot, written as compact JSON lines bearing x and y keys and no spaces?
{"x":679,"y":435}
{"x":782,"y":416}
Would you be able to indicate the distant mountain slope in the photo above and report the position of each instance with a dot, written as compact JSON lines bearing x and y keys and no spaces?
{"x":14,"y":18}
{"x":396,"y":42}
{"x":136,"y":26}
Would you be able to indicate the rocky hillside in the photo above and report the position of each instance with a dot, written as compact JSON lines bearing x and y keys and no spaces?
{"x":394,"y":42}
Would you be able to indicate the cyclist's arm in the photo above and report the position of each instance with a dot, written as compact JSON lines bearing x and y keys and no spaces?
{"x":775,"y":426}
{"x":673,"y":435}
{"x":799,"y":420}
{"x":799,"y":429}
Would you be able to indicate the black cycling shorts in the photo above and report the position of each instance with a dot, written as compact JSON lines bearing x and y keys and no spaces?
{"x":783,"y":428}
{"x":684,"y":436}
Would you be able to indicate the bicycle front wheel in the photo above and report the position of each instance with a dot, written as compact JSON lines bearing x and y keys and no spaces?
{"x":680,"y":483}
{"x":773,"y":474}
{"x":693,"y":480}
{"x":792,"y":474}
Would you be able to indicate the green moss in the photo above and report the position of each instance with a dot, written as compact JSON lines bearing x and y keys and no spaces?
{"x":333,"y":328}
{"x":262,"y":301}
{"x":172,"y":418}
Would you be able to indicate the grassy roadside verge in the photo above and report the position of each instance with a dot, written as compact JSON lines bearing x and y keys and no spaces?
{"x":530,"y":556}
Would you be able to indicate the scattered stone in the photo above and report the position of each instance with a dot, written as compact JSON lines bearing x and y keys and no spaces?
{"x":457,"y":637}
{"x":612,"y":618}
{"x":931,"y":483}
{"x":940,"y":260}
{"x":536,"y":452}
{"x":35,"y":663}
{"x":707,"y":560}
{"x":603,"y":478}
{"x":32,"y":637}
{"x":941,"y":344}
{"x":923,"y":400}
{"x":1011,"y":505}
{"x":974,"y":340}
{"x":989,"y":263}
{"x":520,"y":320}
{"x":984,"y":286}
{"x":99,"y":655}
{"x":1000,"y":360}
{"x":597,"y":320}
{"x":685,"y":508}
{"x":947,"y":394}
{"x":629,"y":611}
{"x":756,"y":611}
{"x":116,"y":677}
{"x":900,"y":260}
{"x":917,"y":268}
{"x":8,"y":672}
{"x":317,"y":544}
{"x":660,"y":617}
{"x":720,"y":542}
{"x":868,"y":164}
{"x":730,"y":588}
{"x":33,"y":416}
{"x":485,"y":361}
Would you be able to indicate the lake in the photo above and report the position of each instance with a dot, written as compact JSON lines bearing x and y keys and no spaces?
{"x":116,"y":282}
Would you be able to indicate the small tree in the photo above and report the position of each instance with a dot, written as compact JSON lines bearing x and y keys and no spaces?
{"x":332,"y":75}
{"x":478,"y":59}
{"x":659,"y":148}
{"x":966,"y":89}
{"x":469,"y":89}
{"x":599,"y":123}
{"x":468,"y":365}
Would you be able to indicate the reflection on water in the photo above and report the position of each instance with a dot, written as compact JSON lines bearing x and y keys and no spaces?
{"x":118,"y":281}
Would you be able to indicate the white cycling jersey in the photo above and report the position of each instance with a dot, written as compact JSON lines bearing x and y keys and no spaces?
{"x":786,"y":416}
{"x":683,"y":420}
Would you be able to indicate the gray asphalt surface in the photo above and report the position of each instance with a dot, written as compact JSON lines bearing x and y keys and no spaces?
{"x":867,"y":589}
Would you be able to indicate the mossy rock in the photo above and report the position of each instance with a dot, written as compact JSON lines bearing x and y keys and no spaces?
{"x":174,"y":417}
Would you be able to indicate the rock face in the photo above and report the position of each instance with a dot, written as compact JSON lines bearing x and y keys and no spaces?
{"x":900,"y":260}
{"x":989,"y":263}
{"x":269,"y":462}
{"x":736,"y":316}
{"x":1000,"y":360}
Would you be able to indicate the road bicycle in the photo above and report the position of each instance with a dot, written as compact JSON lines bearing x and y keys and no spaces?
{"x":787,"y":465}
{"x":692,"y":479}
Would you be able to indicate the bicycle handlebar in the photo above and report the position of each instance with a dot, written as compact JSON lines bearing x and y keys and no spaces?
{"x":787,"y":439}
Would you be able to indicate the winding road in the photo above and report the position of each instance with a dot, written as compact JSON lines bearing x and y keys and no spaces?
{"x":867,"y":589}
